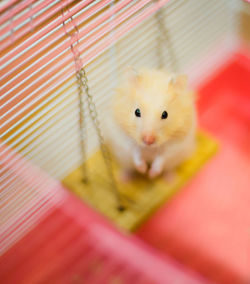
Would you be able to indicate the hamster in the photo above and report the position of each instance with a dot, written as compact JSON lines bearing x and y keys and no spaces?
{"x":151,"y":125}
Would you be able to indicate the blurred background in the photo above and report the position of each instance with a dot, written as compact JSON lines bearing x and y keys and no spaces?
{"x":50,"y":235}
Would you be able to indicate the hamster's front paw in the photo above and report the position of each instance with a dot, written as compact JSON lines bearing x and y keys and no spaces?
{"x":156,"y":167}
{"x":139,"y":163}
{"x":153,"y":173}
{"x":141,"y":167}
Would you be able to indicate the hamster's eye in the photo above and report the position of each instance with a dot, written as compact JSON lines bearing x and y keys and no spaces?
{"x":137,"y":112}
{"x":164,"y":115}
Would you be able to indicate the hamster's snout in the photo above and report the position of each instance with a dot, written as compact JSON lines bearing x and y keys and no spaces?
{"x":148,"y":139}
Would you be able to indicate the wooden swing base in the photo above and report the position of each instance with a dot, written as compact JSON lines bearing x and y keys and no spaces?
{"x":145,"y":195}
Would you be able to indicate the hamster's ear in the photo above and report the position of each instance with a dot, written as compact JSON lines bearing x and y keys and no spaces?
{"x":178,"y":81}
{"x":131,"y":75}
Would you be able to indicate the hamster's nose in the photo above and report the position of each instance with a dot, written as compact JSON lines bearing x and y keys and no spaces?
{"x":148,"y":139}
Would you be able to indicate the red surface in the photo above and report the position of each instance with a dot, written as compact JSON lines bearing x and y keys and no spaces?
{"x":207,"y":225}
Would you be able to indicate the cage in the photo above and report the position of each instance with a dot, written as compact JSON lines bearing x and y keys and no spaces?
{"x":61,"y":61}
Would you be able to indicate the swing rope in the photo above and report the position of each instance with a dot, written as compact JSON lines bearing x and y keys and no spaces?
{"x":83,"y":88}
{"x":165,"y":35}
{"x":82,"y":126}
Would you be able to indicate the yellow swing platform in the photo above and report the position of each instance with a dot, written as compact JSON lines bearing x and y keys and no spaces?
{"x":146,"y":195}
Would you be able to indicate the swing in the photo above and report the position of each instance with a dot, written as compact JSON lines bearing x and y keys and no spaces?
{"x":96,"y":181}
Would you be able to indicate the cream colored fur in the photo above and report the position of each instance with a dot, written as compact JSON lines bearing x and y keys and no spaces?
{"x":152,"y":91}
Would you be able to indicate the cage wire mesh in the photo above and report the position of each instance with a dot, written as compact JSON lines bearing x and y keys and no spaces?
{"x":40,"y":103}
